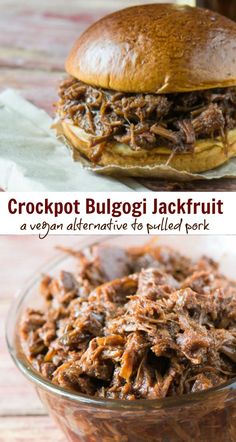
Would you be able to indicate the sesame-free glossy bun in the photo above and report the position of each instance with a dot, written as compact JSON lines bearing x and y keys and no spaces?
{"x":157,"y":48}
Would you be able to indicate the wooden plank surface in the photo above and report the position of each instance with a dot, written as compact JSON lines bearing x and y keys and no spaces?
{"x":34,"y":428}
{"x":222,"y":185}
{"x":22,"y":416}
{"x":35,"y":38}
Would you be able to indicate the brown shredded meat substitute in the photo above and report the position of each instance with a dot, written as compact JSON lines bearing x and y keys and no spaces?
{"x":148,"y":120}
{"x":142,"y":323}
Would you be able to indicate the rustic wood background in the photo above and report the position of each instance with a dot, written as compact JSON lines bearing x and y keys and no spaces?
{"x":35,"y":38}
{"x":22,"y":417}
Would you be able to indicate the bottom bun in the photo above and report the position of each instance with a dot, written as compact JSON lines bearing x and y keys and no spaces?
{"x":208,"y":154}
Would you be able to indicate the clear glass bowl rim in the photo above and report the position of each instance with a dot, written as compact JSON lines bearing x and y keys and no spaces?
{"x":111,"y":404}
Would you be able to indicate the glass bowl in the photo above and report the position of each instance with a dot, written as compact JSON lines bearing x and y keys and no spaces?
{"x":209,"y":416}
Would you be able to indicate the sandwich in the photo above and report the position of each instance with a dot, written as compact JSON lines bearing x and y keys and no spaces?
{"x":153,"y":85}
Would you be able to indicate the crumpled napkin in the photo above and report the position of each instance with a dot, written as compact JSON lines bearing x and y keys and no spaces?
{"x":33,"y":159}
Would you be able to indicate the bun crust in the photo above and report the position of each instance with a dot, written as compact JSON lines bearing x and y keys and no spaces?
{"x":157,"y":48}
{"x":208,"y":154}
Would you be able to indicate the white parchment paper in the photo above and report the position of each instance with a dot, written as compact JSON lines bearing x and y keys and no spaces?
{"x":33,"y":159}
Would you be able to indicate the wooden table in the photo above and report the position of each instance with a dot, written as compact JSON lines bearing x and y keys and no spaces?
{"x":22,"y":417}
{"x":35,"y":38}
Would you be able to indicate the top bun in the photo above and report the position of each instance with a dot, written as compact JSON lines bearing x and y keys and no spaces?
{"x":157,"y":48}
